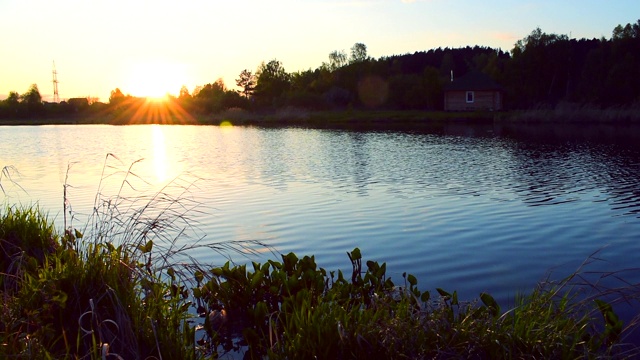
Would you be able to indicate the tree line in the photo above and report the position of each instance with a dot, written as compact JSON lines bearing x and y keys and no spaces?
{"x":541,"y":70}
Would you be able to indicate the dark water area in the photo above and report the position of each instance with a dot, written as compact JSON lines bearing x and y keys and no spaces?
{"x":622,"y":135}
{"x":466,"y":207}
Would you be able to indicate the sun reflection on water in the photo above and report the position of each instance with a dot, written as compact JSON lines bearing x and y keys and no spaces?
{"x":160,"y":160}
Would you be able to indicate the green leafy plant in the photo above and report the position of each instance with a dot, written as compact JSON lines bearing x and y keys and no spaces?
{"x":293,"y":309}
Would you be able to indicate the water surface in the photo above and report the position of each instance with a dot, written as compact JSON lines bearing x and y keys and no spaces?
{"x":469,"y":208}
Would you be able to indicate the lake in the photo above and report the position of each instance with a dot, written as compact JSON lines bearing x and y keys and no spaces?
{"x":468,"y":208}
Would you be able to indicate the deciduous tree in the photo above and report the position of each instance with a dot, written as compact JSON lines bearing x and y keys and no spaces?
{"x":14,"y":98}
{"x":116,"y":96}
{"x":622,"y":32}
{"x":209,"y":98}
{"x":184,"y":93}
{"x":32,"y":96}
{"x":358,"y":53}
{"x":273,"y":82}
{"x":32,"y":101}
{"x":337,"y":59}
{"x":247,"y":82}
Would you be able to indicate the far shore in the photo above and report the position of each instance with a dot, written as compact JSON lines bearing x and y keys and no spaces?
{"x":360,"y":119}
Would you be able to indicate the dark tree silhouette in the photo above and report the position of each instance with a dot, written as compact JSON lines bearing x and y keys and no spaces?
{"x":247,"y":82}
{"x":116,"y":97}
{"x":359,"y":53}
{"x":272,"y":83}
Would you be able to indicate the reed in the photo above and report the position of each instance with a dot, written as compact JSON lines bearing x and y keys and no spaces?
{"x":119,"y":285}
{"x":566,"y":112}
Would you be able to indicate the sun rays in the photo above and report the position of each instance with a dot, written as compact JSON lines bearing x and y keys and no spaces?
{"x":152,"y":110}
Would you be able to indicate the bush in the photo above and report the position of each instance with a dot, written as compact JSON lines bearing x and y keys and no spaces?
{"x":293,"y":309}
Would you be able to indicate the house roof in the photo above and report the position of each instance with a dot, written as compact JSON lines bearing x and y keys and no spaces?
{"x":473,"y":80}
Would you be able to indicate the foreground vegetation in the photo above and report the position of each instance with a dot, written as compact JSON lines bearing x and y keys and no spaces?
{"x":125,"y":286}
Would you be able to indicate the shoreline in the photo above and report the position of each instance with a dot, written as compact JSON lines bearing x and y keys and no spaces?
{"x":362,"y":119}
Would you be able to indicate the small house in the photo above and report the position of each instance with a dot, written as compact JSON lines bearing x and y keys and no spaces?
{"x":78,"y":104}
{"x":474,"y":91}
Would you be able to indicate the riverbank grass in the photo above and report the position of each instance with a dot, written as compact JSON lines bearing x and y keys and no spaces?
{"x":75,"y":296}
{"x":65,"y":297}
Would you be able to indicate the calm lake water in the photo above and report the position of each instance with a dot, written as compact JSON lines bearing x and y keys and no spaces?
{"x":482,"y":208}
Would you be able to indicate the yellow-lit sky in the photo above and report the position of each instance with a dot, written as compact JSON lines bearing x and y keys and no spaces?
{"x":149,"y":48}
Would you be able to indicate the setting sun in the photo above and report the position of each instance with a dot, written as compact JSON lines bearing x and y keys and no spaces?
{"x":154,"y":80}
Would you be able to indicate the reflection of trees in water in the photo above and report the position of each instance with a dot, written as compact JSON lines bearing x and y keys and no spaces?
{"x":347,"y":161}
{"x":409,"y":165}
{"x":356,"y":161}
{"x":559,"y":134}
{"x":434,"y":166}
{"x":282,"y":156}
{"x":360,"y":160}
{"x":553,"y":174}
{"x":274,"y":159}
{"x":548,"y":175}
{"x":622,"y":183}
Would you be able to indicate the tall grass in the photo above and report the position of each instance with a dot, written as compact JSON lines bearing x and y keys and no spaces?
{"x":6,"y":174}
{"x":119,"y":284}
{"x":566,"y":112}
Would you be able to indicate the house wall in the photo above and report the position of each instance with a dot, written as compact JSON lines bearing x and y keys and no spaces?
{"x":483,"y":100}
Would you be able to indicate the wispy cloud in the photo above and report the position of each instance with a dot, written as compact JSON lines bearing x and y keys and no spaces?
{"x":505,"y":36}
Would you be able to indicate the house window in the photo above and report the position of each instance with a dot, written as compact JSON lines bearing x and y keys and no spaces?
{"x":470,"y":96}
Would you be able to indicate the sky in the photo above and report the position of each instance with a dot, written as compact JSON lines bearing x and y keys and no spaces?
{"x":149,"y":48}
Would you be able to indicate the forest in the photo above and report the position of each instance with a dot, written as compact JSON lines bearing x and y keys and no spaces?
{"x":541,"y":71}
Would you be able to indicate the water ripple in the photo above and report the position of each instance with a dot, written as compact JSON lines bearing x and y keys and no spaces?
{"x":467,"y":213}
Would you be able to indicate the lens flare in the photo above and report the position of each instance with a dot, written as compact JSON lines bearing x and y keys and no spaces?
{"x":373,"y":91}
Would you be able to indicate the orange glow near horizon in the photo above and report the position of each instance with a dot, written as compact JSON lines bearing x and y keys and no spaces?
{"x":158,"y":99}
{"x":152,"y":111}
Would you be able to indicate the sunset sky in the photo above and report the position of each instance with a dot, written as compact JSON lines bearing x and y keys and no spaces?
{"x":148,"y":48}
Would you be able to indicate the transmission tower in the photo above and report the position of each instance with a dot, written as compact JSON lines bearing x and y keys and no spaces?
{"x":56,"y":97}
